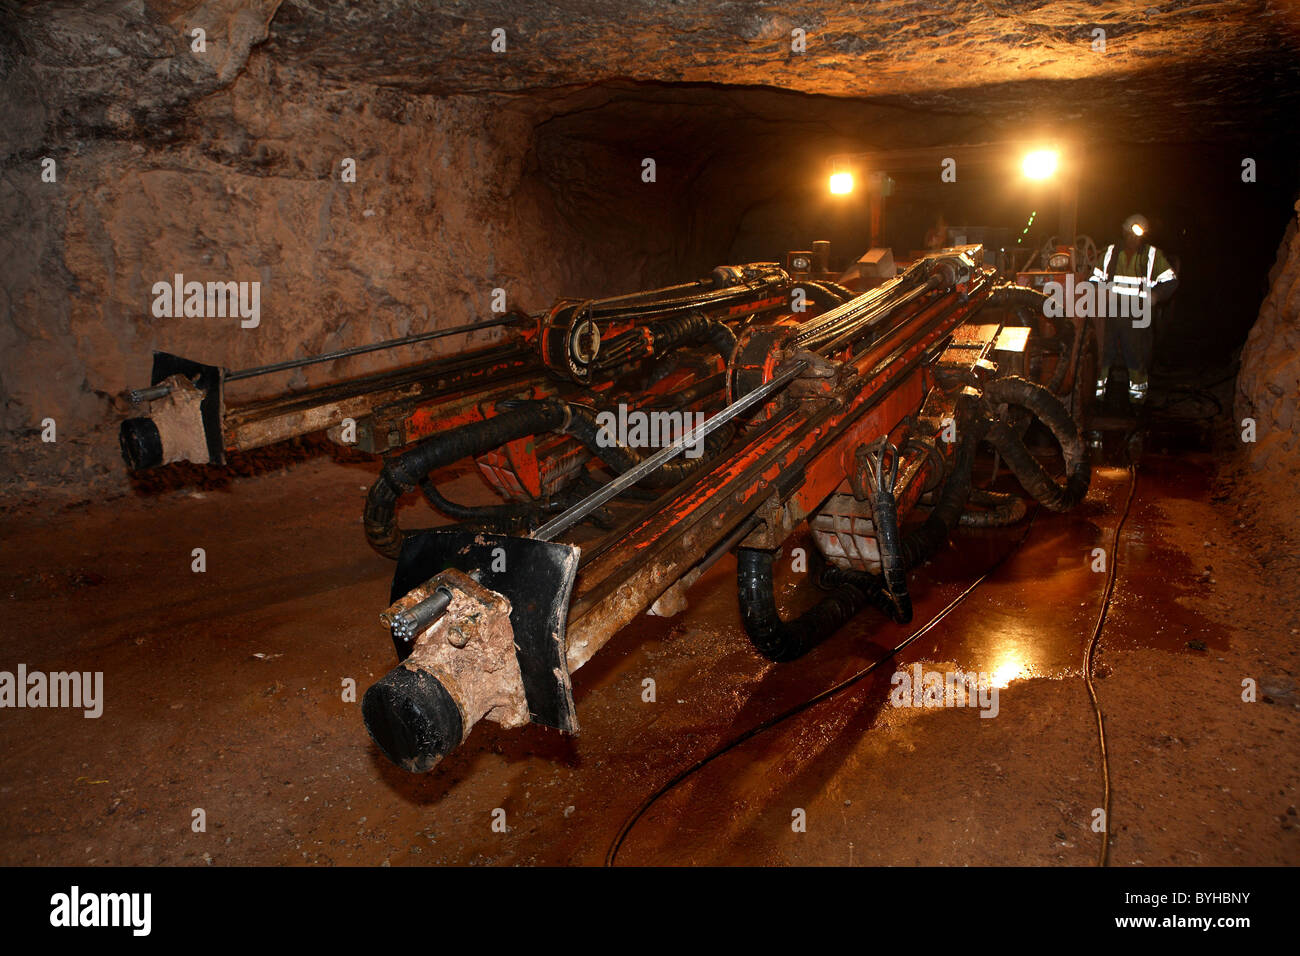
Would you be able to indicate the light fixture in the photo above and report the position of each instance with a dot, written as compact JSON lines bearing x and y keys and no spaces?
{"x":1040,"y":164}
{"x":841,"y":183}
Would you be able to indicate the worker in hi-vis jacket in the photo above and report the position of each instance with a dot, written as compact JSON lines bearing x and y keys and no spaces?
{"x":1138,"y":278}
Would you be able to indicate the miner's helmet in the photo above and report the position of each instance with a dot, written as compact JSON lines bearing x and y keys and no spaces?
{"x":1137,"y":225}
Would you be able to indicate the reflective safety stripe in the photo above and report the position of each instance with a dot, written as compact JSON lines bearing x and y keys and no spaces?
{"x":1131,"y":285}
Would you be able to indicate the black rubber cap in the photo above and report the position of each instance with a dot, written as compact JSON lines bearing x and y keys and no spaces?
{"x":412,"y":718}
{"x":141,"y":444}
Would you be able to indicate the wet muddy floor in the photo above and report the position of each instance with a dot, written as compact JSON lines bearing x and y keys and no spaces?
{"x":226,"y":704}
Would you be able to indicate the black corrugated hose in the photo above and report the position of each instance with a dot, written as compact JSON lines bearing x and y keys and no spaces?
{"x":780,"y":640}
{"x":1003,"y":509}
{"x":667,"y":335}
{"x":402,"y":473}
{"x":1047,"y":408}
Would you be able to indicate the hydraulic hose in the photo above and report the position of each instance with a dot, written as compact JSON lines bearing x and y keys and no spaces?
{"x":823,"y":295}
{"x":403,"y":472}
{"x":584,"y":427}
{"x":1064,"y":342}
{"x":719,"y":338}
{"x":893,"y":573}
{"x":1002,"y":509}
{"x":853,"y":591}
{"x":693,"y":329}
{"x":726,"y":284}
{"x":879,"y":464}
{"x":1016,"y":297}
{"x":779,"y":640}
{"x":666,"y":335}
{"x":843,"y":292}
{"x":508,"y":518}
{"x":1029,"y":305}
{"x":923,"y":543}
{"x":1048,"y":409}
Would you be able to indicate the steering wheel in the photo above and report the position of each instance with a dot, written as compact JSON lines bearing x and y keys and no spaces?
{"x":1085,"y":253}
{"x":1046,"y":251}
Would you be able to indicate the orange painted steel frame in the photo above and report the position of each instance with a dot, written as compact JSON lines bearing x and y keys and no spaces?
{"x":788,"y":468}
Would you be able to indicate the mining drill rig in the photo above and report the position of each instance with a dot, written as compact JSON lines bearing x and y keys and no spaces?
{"x":855,"y":415}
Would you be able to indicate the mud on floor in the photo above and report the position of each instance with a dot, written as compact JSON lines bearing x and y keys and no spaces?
{"x":224,"y":693}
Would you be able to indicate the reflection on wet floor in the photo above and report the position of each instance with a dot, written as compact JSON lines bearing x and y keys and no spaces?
{"x":253,"y":657}
{"x":1033,"y":617}
{"x":1035,"y":614}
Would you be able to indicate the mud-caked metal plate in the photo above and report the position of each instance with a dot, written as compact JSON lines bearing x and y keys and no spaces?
{"x":208,"y":379}
{"x":537,"y":577}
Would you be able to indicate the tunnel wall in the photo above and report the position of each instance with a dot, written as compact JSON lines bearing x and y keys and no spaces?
{"x":449,"y":203}
{"x":1268,"y":384}
{"x":225,"y":166}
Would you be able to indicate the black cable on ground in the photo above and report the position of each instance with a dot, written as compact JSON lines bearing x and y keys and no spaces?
{"x":611,"y":856}
{"x":1090,"y":655}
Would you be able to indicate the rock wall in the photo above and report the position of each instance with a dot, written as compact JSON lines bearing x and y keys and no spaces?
{"x":1268,"y":384}
{"x":480,"y":168}
{"x":449,"y":203}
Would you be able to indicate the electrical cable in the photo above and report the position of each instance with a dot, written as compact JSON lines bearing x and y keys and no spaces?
{"x":616,"y":845}
{"x":1090,"y":655}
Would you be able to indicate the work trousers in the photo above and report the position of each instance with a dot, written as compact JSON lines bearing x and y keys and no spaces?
{"x":1126,"y":347}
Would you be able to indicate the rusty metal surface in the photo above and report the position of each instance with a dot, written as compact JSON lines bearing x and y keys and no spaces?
{"x":470,"y":650}
{"x":799,"y":457}
{"x":391,"y":396}
{"x":537,"y":579}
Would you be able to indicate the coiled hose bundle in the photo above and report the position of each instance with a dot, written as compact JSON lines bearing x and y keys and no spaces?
{"x":853,"y":591}
{"x":408,"y":470}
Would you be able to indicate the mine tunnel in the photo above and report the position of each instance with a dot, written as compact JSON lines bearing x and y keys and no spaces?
{"x":650,"y":433}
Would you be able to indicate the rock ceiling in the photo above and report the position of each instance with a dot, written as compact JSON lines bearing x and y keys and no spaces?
{"x":1200,"y":69}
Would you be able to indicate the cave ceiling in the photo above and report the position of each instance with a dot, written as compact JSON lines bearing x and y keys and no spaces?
{"x":1175,"y":71}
